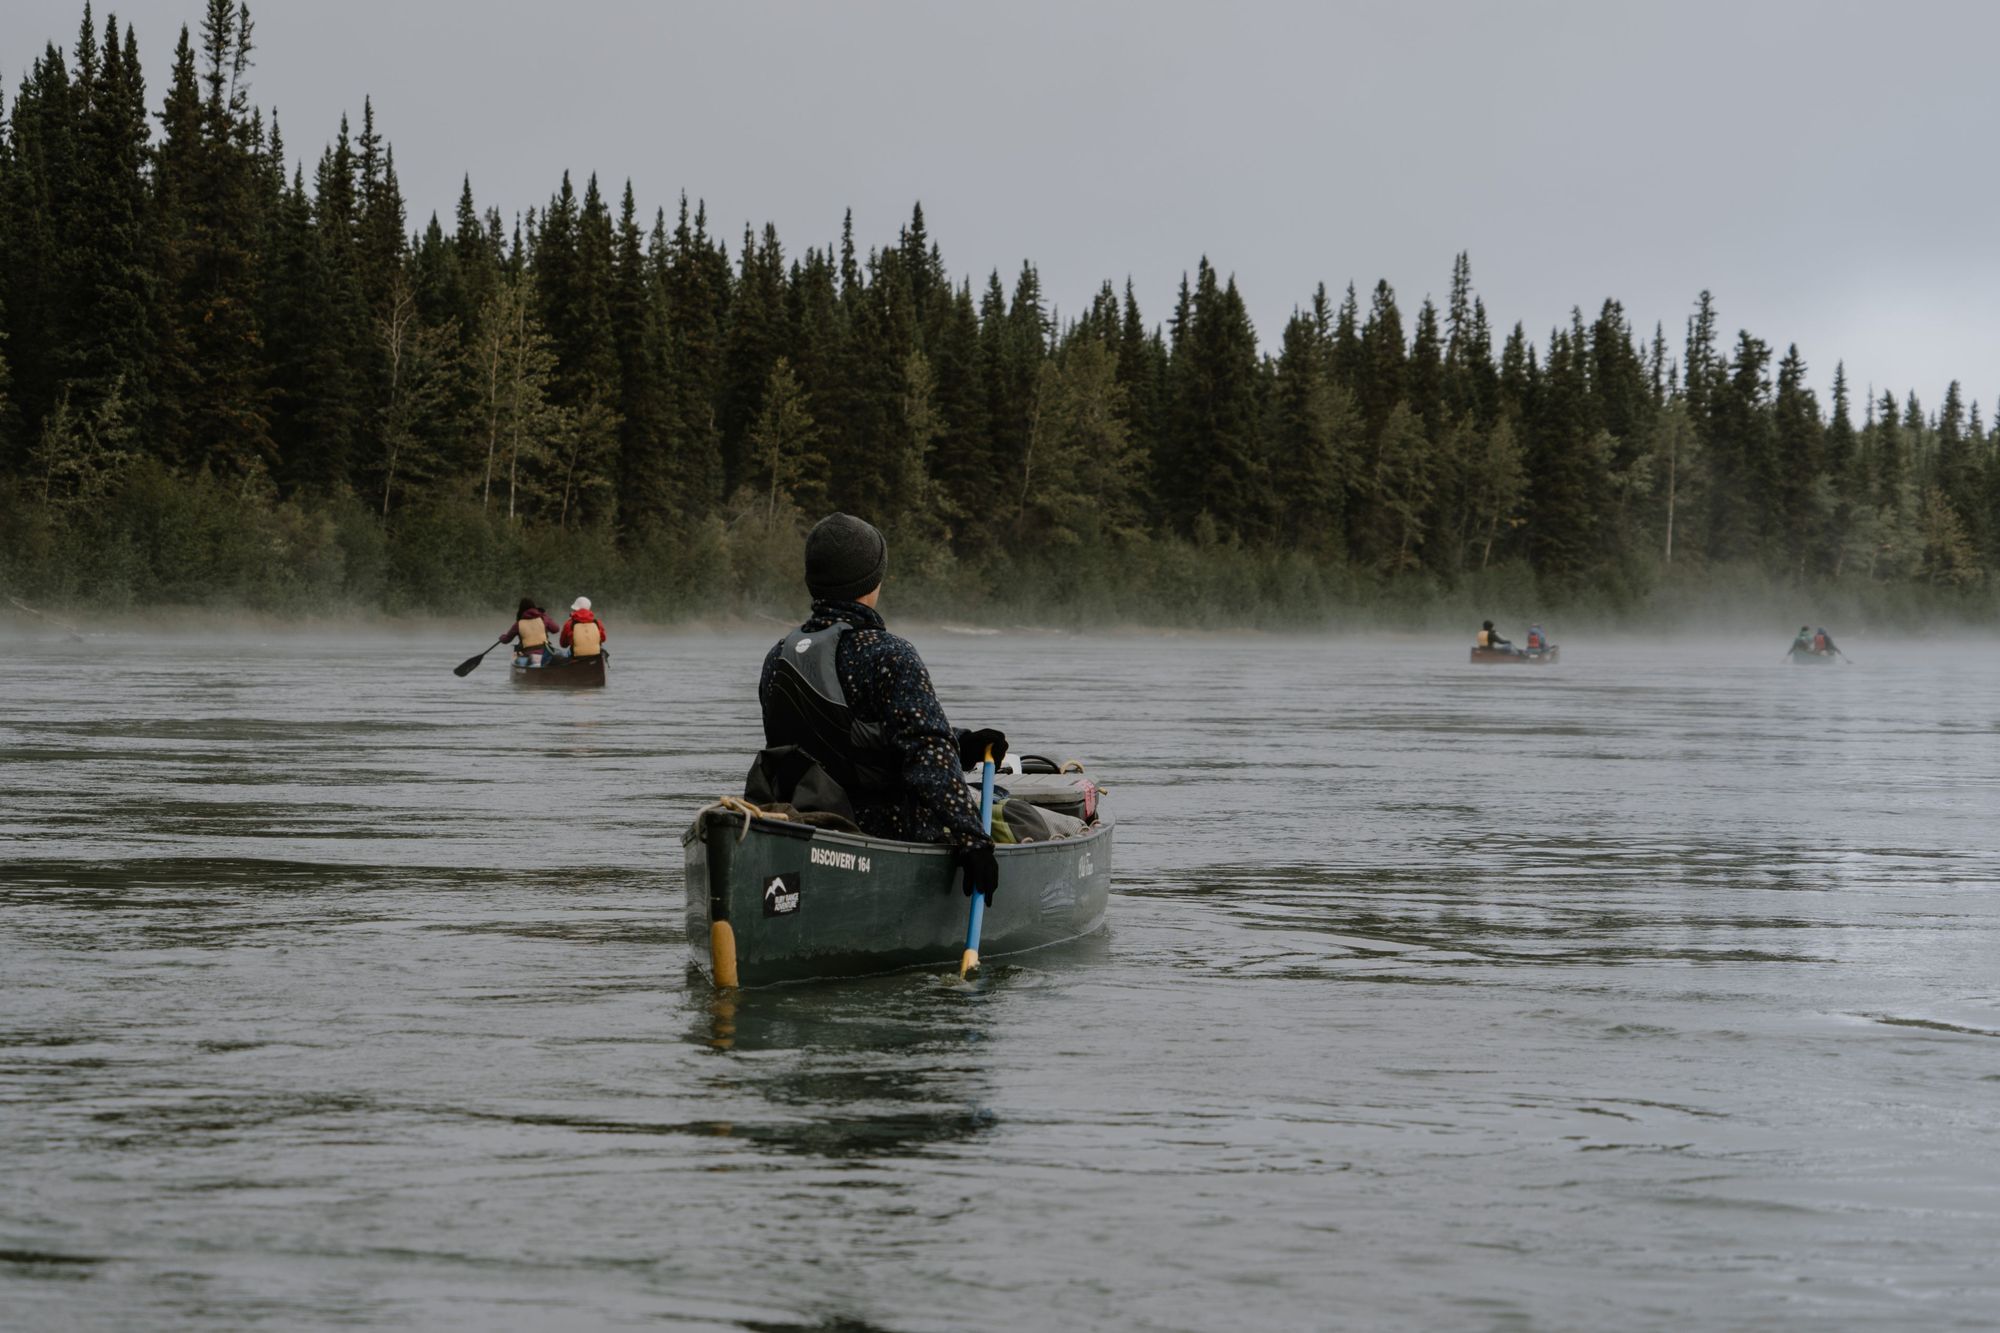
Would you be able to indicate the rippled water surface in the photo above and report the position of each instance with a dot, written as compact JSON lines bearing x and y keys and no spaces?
{"x":1659,"y":989}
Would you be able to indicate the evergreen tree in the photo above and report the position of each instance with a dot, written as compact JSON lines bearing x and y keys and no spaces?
{"x":1802,"y":506}
{"x":756,"y":339}
{"x":645,"y":402}
{"x":1312,"y":423}
{"x":214,"y":368}
{"x":694,"y":288}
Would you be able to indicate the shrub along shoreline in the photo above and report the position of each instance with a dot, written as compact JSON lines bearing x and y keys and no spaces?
{"x":160,"y":541}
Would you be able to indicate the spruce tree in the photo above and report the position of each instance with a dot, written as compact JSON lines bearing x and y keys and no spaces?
{"x":756,"y":338}
{"x":1801,"y":505}
{"x":214,"y":363}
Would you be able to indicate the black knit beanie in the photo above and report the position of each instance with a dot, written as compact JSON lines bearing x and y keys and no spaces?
{"x":845,"y":558}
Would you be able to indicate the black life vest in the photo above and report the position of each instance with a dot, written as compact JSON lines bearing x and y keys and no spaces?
{"x":808,"y":708}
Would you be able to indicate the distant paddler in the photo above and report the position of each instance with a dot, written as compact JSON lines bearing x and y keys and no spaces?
{"x":1815,"y":643}
{"x":1489,"y":638}
{"x":532,"y":627}
{"x":583,"y":633}
{"x":843,"y":693}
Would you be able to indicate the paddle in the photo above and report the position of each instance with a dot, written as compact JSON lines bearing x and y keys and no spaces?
{"x":465,"y":668}
{"x":975,"y":914}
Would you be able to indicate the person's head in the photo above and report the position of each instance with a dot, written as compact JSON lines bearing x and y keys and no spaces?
{"x":580,"y":604}
{"x":846,"y":558}
{"x":1805,"y":629}
{"x":1487,"y":625}
{"x":528,"y":606}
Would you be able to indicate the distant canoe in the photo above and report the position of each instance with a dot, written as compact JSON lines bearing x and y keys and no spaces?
{"x":1517,"y":656}
{"x":1810,"y":658}
{"x":580,"y":673}
{"x":770,"y":900}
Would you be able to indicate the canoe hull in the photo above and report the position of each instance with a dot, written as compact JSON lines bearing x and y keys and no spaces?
{"x":1526,"y":657}
{"x":788,"y":902}
{"x":1812,"y":659}
{"x":576,"y":673}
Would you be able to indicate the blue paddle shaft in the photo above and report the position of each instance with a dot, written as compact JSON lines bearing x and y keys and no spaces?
{"x":973,"y":920}
{"x":977,"y":915}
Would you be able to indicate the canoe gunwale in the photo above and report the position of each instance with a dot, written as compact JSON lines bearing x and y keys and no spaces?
{"x":791,"y":828}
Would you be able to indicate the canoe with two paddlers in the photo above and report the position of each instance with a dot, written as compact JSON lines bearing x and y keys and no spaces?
{"x":564,"y":672}
{"x":1517,"y":656}
{"x":779,"y":899}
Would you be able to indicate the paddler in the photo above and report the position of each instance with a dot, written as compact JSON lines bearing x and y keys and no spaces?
{"x":1803,"y":644}
{"x":1490,"y":638}
{"x":858,"y":699}
{"x":532,"y":626}
{"x":583,"y":633}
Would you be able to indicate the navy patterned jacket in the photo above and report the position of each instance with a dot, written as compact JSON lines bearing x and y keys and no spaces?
{"x":886,"y":683}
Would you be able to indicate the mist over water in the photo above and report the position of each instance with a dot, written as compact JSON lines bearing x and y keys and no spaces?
{"x":1653,"y":989}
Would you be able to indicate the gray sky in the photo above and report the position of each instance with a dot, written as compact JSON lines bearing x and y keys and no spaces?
{"x":1823,"y":168}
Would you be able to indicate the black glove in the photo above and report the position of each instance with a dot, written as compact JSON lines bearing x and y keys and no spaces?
{"x":982,"y":870}
{"x":972,"y":747}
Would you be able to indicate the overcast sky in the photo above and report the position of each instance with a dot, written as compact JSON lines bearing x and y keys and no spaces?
{"x":1826,"y":169}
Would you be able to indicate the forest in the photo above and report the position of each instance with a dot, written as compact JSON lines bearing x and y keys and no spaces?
{"x":230,"y":380}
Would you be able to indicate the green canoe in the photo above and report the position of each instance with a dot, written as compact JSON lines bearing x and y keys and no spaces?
{"x":770,"y":900}
{"x":1809,"y":658}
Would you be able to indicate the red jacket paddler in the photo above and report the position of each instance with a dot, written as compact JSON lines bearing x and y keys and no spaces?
{"x":583,"y":633}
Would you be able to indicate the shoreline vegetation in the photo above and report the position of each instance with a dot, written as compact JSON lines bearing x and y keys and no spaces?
{"x":230,"y":381}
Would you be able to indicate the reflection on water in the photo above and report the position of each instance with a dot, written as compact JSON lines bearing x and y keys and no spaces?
{"x":1654,"y":988}
{"x":884,"y":1067}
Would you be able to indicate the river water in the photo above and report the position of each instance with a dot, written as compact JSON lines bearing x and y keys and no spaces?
{"x":1658,"y":989}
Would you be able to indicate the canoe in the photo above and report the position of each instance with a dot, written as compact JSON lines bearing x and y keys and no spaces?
{"x":772,"y":900}
{"x":1517,"y":657}
{"x":1810,"y":658}
{"x":565,"y":673}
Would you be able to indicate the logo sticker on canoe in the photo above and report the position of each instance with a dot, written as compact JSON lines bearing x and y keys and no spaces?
{"x":781,"y":895}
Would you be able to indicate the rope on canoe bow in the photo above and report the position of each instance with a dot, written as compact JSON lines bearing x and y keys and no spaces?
{"x":736,"y":805}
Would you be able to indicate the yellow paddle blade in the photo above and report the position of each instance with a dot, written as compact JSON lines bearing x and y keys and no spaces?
{"x":968,"y":964}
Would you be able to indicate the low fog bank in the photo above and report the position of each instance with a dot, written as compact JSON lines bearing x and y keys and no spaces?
{"x":1225,"y":594}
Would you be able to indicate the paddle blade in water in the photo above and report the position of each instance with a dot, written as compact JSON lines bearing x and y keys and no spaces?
{"x":465,"y":668}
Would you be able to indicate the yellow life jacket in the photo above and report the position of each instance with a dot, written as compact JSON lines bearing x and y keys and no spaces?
{"x":1485,"y":639}
{"x":534,"y":634}
{"x":586,"y":639}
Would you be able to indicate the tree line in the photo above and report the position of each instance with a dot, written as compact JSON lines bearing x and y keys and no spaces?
{"x":217,"y":366}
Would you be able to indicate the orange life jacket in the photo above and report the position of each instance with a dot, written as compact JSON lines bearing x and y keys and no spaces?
{"x":1819,"y":643}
